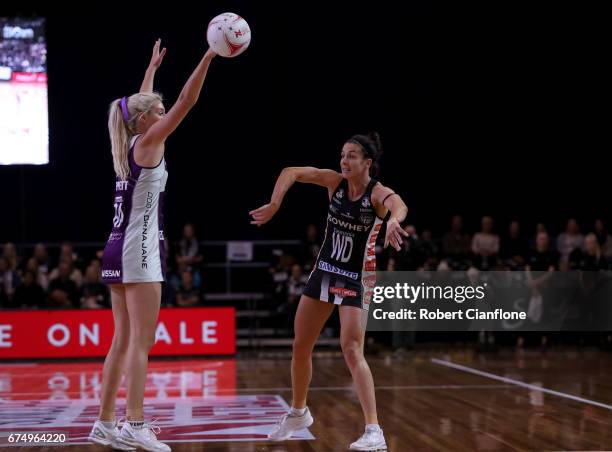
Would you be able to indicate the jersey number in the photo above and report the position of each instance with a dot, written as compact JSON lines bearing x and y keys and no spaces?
{"x":342,"y":247}
{"x":118,"y":218}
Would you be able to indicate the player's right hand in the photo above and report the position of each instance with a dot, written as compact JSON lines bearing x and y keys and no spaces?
{"x":157,"y":57}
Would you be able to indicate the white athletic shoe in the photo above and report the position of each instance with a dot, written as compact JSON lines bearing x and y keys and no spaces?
{"x":290,"y":423}
{"x":107,"y":436}
{"x":371,"y":440}
{"x":143,"y":437}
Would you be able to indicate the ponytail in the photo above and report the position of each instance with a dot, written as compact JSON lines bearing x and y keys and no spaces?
{"x":119,"y":137}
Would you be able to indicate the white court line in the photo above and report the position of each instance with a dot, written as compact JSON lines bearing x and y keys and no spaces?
{"x":519,"y":383}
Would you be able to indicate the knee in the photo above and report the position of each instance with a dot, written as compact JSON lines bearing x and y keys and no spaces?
{"x":143,"y":340}
{"x":352,"y":351}
{"x":301,"y":350}
{"x":121,"y":338}
{"x":120,"y":344}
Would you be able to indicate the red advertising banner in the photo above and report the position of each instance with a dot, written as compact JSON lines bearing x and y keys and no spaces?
{"x":198,"y":378}
{"x":73,"y":333}
{"x":29,"y":77}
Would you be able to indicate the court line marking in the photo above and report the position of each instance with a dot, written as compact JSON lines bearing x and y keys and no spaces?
{"x":519,"y":383}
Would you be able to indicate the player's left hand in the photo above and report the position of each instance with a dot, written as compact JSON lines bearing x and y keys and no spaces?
{"x":394,"y":234}
{"x":263,"y":214}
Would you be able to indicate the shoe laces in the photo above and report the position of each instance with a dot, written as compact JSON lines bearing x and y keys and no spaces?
{"x":150,"y":429}
{"x":153,"y":427}
{"x":118,"y":422}
{"x":282,"y":419}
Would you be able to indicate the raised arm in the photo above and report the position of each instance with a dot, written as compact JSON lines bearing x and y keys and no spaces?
{"x":156,"y":61}
{"x":152,"y":141}
{"x":306,"y":174}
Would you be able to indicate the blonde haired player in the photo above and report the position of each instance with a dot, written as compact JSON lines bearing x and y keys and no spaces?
{"x":343,"y":275}
{"x":134,"y":261}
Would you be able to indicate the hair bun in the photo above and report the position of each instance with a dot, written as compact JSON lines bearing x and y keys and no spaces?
{"x":375,"y":137}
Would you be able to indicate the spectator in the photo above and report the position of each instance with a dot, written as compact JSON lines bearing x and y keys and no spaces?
{"x":514,"y":248}
{"x":75,"y":274}
{"x":591,"y":259}
{"x":456,"y":244}
{"x":67,"y":252}
{"x":189,"y":249}
{"x":63,"y":291}
{"x":43,"y":264}
{"x":41,"y":279}
{"x":29,"y":294}
{"x":485,"y":245}
{"x":539,"y":270}
{"x":429,"y":249}
{"x":280,"y":275}
{"x":187,"y":294}
{"x":176,"y":278}
{"x":10,"y":254}
{"x":543,"y":259}
{"x":296,"y":284}
{"x":592,"y":264}
{"x":9,"y":280}
{"x":96,"y":264}
{"x":569,"y":240}
{"x":94,"y":294}
{"x":604,"y":239}
{"x":293,"y":289}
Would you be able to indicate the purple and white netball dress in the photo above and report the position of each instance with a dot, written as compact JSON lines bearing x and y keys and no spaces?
{"x":135,"y":249}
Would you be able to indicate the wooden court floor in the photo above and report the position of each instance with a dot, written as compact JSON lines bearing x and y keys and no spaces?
{"x":427,"y":401}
